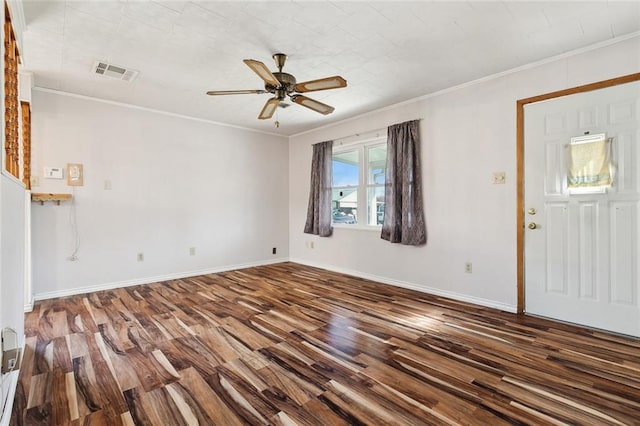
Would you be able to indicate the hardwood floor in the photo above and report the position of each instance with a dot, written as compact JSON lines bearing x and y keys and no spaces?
{"x":290,"y":344}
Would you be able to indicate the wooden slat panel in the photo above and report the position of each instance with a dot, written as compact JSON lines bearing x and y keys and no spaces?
{"x":25,"y":109}
{"x":11,"y":104}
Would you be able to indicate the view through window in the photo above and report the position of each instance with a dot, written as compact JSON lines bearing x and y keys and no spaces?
{"x":358,"y":183}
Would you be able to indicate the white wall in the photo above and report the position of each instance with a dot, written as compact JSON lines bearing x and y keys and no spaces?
{"x":12,"y":277}
{"x":467,"y":134}
{"x":176,"y":183}
{"x":12,"y":259}
{"x":13,"y":253}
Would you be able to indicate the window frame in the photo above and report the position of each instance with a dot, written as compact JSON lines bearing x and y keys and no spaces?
{"x":363,"y":187}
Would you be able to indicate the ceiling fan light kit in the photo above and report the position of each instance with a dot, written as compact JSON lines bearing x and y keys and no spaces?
{"x":282,"y":84}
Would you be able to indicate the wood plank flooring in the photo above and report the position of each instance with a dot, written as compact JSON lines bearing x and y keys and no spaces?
{"x":289,"y":344}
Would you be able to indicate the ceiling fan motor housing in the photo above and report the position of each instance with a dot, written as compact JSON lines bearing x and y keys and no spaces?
{"x":287,"y":84}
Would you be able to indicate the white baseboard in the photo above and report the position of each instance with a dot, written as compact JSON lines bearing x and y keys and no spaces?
{"x":411,"y":286}
{"x":28,"y":307}
{"x":150,"y":280}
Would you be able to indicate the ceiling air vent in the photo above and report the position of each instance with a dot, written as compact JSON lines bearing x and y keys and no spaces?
{"x":115,"y":71}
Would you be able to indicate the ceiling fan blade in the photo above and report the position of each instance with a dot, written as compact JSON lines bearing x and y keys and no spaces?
{"x":262,"y":71}
{"x":269,"y":108}
{"x":334,"y":82}
{"x":312,"y":104}
{"x":235,"y":92}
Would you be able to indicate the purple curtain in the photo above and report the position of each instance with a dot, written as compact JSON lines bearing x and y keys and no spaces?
{"x":319,"y":210}
{"x":404,"y":212}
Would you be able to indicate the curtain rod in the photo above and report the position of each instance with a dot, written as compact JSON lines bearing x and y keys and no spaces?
{"x":367,"y":132}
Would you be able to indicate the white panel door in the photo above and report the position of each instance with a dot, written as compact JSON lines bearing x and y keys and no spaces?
{"x":581,"y":260}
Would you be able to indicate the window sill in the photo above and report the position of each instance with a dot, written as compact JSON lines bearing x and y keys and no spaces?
{"x":358,"y":227}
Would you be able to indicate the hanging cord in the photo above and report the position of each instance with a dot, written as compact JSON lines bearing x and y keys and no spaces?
{"x":73,"y":223}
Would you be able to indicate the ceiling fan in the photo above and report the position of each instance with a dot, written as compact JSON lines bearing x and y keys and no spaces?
{"x":282,"y":84}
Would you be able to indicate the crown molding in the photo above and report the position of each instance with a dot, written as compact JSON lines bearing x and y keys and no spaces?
{"x":153,"y":110}
{"x":481,"y":80}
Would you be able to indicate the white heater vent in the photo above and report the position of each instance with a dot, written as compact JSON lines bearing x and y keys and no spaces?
{"x":115,"y":71}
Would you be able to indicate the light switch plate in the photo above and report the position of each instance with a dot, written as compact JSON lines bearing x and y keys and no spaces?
{"x":499,"y":177}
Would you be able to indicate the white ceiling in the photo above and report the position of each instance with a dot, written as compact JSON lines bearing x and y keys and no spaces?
{"x":388,"y":52}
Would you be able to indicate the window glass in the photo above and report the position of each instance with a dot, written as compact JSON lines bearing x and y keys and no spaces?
{"x":376,"y":168}
{"x":346,"y":168}
{"x":345,"y":206}
{"x":358,"y":184}
{"x":375,"y":205}
{"x":377,"y":163}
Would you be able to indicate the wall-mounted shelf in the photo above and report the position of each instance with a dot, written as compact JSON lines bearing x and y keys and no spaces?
{"x":42,"y":197}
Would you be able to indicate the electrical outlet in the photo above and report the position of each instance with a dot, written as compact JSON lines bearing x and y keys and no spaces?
{"x":11,"y":360}
{"x":312,"y":244}
{"x":107,"y":185}
{"x":192,"y":251}
{"x":273,"y":250}
{"x":468,"y":267}
{"x":140,"y":257}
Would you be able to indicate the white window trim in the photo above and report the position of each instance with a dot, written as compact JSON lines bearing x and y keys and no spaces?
{"x":363,"y":185}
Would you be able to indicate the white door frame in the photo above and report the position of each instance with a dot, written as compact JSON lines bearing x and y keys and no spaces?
{"x":520,"y":164}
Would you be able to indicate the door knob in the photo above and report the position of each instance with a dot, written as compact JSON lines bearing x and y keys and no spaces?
{"x":532,"y":225}
{"x":531,"y":211}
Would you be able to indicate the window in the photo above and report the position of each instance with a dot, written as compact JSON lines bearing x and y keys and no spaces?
{"x":358,"y":183}
{"x":589,"y":164}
